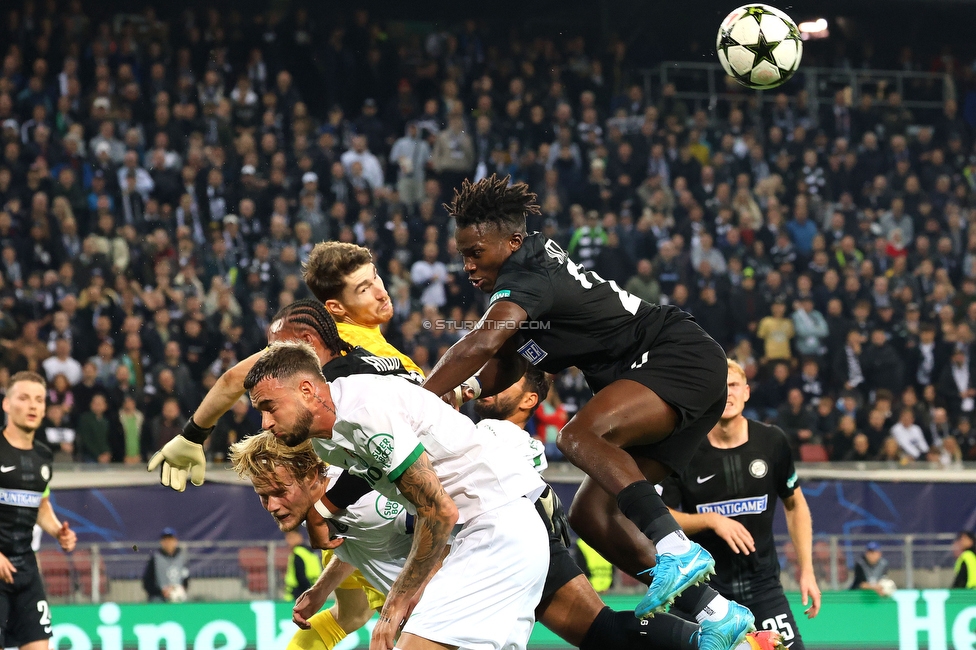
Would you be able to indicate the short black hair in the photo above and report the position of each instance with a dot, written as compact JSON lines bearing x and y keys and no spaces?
{"x":492,"y":201}
{"x":538,"y":382}
{"x":312,"y":314}
{"x":283,"y":360}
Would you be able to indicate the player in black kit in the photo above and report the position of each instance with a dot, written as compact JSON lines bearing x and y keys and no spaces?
{"x":659,"y":382}
{"x":25,"y":470}
{"x":728,"y":496}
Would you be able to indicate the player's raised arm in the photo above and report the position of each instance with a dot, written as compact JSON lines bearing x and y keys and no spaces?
{"x":436,"y":516}
{"x":490,"y":347}
{"x":183,"y":455}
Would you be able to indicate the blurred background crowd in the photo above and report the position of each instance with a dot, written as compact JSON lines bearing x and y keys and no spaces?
{"x":162,"y":181}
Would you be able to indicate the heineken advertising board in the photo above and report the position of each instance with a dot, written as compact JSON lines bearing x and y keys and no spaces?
{"x":936,"y":619}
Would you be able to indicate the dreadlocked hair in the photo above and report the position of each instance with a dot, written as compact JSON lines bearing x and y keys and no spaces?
{"x":257,"y":456}
{"x":492,"y":201}
{"x":313,"y":314}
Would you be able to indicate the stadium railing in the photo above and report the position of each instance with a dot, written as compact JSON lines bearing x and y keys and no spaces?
{"x":248,"y":570}
{"x":703,"y":85}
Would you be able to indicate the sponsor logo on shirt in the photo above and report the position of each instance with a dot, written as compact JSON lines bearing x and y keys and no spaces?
{"x":504,"y":293}
{"x":387,"y":509}
{"x":20,"y":498}
{"x":736,"y":507}
{"x":380,"y":448}
{"x":791,"y":481}
{"x":532,"y":352}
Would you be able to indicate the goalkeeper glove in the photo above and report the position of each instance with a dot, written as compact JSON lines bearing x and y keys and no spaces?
{"x":181,"y":456}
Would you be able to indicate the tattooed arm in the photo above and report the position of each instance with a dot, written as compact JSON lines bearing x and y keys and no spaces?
{"x":436,"y":516}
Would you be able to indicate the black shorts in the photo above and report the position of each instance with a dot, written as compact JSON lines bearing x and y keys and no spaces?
{"x":689,"y":371}
{"x":562,"y":567}
{"x":774,"y":614}
{"x":24,"y":613}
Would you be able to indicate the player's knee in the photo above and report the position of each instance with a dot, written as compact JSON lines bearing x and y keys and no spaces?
{"x":568,"y":441}
{"x":352,"y":621}
{"x":352,"y":613}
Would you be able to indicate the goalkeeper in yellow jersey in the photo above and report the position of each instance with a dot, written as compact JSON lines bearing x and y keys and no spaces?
{"x":183,"y":457}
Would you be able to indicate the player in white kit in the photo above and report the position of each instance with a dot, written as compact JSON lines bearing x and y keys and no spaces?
{"x":413,"y":449}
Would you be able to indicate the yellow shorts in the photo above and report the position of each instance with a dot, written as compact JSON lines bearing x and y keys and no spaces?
{"x":358,"y":581}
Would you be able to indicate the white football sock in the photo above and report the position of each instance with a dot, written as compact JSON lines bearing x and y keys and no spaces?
{"x":714,"y":611}
{"x":675,"y":543}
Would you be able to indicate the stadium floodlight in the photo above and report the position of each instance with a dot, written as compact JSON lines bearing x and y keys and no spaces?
{"x":813,"y":29}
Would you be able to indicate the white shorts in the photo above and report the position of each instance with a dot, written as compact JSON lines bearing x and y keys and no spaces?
{"x":485,"y":594}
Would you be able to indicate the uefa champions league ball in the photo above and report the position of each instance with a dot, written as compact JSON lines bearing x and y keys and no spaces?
{"x":759,"y":46}
{"x":888,"y":586}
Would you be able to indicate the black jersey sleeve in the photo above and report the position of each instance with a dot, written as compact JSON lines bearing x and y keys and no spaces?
{"x":785,"y":473}
{"x":530,"y":289}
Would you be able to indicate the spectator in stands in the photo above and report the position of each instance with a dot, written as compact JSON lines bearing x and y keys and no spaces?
{"x":167,"y":425}
{"x":93,"y":432}
{"x":776,"y":332}
{"x":167,"y":577}
{"x":842,"y":442}
{"x":796,"y":420}
{"x":957,"y":385}
{"x":860,"y":450}
{"x":131,"y":423}
{"x":62,"y":363}
{"x":232,"y":427}
{"x":870,"y":569}
{"x":429,"y":276}
{"x":411,"y":154}
{"x":643,"y":283}
{"x":60,"y":435}
{"x":811,"y":328}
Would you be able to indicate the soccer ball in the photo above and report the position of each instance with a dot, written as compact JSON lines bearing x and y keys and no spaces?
{"x":759,"y":46}
{"x":888,"y":586}
{"x":177,"y":594}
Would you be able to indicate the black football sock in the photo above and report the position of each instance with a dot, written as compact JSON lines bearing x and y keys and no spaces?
{"x":641,"y":503}
{"x":623,"y":631}
{"x":702,"y":602}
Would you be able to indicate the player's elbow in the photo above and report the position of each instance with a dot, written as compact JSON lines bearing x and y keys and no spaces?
{"x":443,"y":517}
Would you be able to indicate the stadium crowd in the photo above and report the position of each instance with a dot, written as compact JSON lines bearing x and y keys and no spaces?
{"x":162,"y":182}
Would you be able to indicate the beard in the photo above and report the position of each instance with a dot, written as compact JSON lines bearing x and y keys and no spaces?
{"x":497,"y":409}
{"x":300,"y":432}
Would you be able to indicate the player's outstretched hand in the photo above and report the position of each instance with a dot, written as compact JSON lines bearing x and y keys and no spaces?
{"x":66,"y":537}
{"x":392,"y":618}
{"x":306,"y":606}
{"x":180,"y":457}
{"x":810,"y":593}
{"x":7,"y":569}
{"x":735,"y":534}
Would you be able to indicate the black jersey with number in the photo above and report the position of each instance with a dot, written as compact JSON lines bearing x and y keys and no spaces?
{"x":24,"y":475}
{"x":360,"y":361}
{"x":742,"y":483}
{"x":575,"y":317}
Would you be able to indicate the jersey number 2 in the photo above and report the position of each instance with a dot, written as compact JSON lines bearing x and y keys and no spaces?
{"x":629,"y":301}
{"x":779,"y":624}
